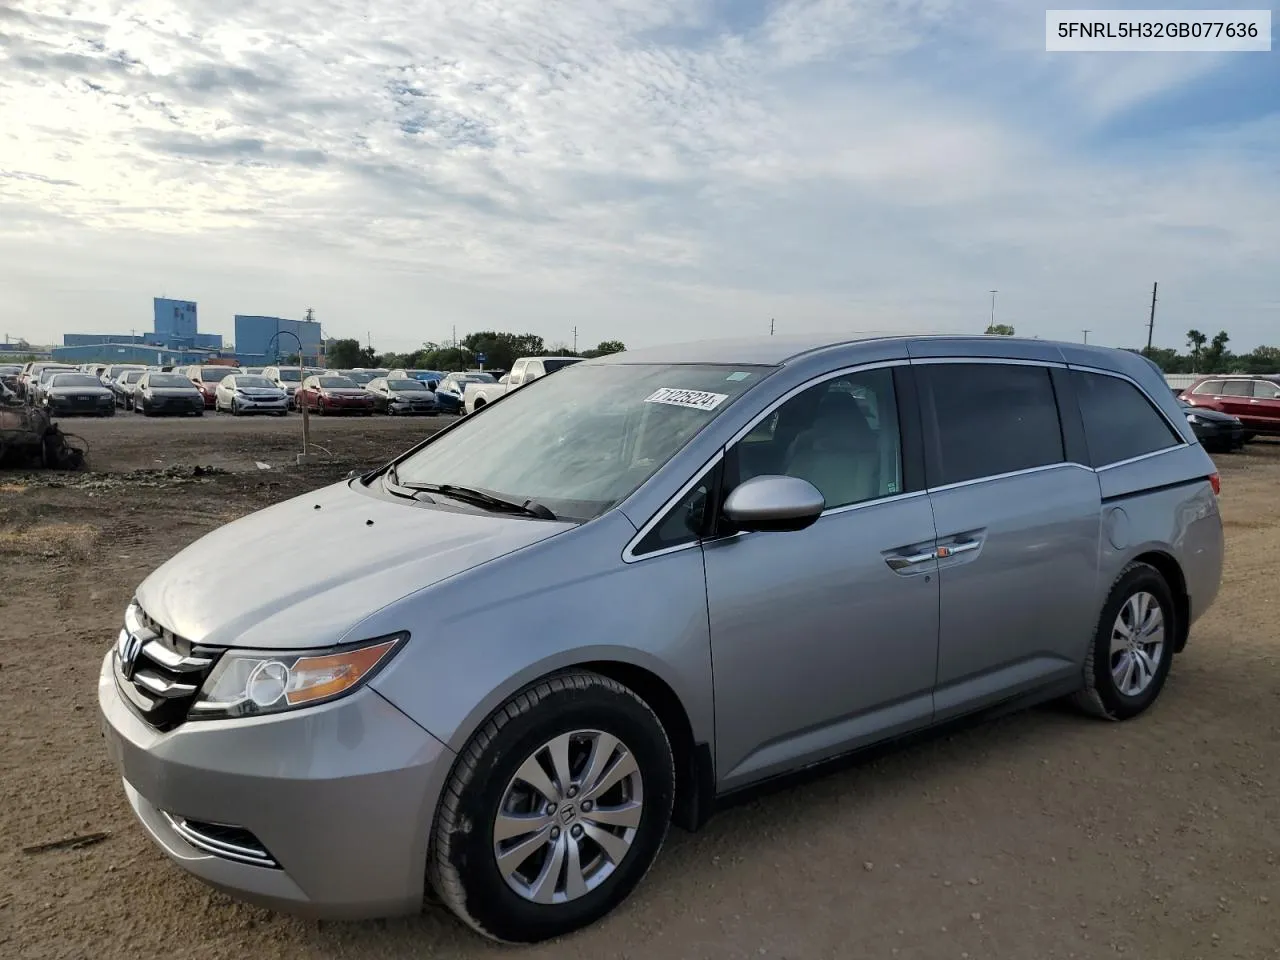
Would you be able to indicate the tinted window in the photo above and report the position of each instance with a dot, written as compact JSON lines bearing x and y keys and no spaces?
{"x":169,"y":380}
{"x":841,"y":435}
{"x":214,"y":374}
{"x":1236,"y":388}
{"x":1208,"y":388}
{"x":557,"y":363}
{"x":75,"y":380}
{"x":407,"y":385}
{"x":290,"y":376}
{"x":1119,"y":421}
{"x":989,"y":419}
{"x":256,"y":382}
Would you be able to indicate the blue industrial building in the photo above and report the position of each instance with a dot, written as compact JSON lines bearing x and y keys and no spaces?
{"x":175,"y":338}
{"x":262,"y":341}
{"x":127,"y":352}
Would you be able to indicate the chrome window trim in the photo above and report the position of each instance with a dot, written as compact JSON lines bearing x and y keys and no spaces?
{"x":1156,"y":406}
{"x":1043,"y":468}
{"x":628,"y":553}
{"x":1008,"y":361}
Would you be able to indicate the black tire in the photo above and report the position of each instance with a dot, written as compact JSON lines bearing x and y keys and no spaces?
{"x":235,"y":407}
{"x":461,"y":865}
{"x":1101,"y":695}
{"x":1249,"y":437}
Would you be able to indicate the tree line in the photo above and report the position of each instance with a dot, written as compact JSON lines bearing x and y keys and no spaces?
{"x":1204,"y":354}
{"x":499,"y":349}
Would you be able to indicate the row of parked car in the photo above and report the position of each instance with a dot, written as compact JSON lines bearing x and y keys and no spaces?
{"x":1226,"y":412}
{"x":102,"y":389}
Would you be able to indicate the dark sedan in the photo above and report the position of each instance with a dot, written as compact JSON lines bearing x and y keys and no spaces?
{"x":159,"y":393}
{"x":1216,"y":431}
{"x":69,"y":394}
{"x":396,"y":397}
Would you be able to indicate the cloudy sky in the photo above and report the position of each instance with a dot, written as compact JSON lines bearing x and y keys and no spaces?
{"x":645,"y":170}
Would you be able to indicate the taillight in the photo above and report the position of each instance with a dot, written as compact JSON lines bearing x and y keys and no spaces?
{"x":1216,"y":482}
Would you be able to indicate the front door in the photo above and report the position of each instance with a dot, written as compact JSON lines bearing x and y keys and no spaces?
{"x":1018,"y":527}
{"x":826,"y":638}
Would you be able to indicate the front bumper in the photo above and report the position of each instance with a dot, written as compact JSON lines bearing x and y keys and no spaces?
{"x":410,"y":407}
{"x":256,"y":405}
{"x":342,"y":796}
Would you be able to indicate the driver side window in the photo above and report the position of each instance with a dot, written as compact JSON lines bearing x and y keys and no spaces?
{"x":841,"y":435}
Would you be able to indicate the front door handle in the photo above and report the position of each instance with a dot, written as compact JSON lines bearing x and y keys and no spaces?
{"x":963,"y":546}
{"x":902,"y":562}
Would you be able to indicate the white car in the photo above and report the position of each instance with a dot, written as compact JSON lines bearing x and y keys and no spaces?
{"x":242,"y":393}
{"x":288,"y":379}
{"x":525,"y":370}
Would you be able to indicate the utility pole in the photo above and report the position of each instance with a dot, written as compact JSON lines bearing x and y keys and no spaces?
{"x":993,"y":307}
{"x":1086,"y":336}
{"x":771,"y":326}
{"x":455,"y":336}
{"x":575,"y":339}
{"x":1151,"y":324}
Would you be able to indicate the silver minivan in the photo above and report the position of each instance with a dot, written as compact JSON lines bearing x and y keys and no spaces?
{"x":608,"y":601}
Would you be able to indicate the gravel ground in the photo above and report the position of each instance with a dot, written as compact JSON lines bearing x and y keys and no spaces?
{"x":1039,"y":835}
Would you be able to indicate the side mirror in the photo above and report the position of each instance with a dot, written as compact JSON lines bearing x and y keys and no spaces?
{"x":774,"y":503}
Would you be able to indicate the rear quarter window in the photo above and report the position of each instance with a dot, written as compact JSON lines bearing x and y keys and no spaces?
{"x":1120,"y":422}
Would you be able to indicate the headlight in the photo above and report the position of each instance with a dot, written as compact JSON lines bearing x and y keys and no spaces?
{"x":253,"y":682}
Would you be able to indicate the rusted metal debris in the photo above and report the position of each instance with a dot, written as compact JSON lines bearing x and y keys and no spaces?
{"x":29,"y":437}
{"x":68,"y":843}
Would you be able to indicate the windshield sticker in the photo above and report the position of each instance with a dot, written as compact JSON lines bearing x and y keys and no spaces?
{"x":737,"y":375}
{"x":695,"y":399}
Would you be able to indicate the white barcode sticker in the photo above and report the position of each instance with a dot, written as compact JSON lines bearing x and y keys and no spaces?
{"x":696,"y":399}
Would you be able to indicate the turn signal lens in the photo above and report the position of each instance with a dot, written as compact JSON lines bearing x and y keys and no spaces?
{"x":319,"y":678}
{"x":1216,"y":482}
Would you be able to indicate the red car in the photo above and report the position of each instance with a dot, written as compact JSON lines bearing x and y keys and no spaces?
{"x":207,"y":379}
{"x":332,"y":394}
{"x":1254,"y":399}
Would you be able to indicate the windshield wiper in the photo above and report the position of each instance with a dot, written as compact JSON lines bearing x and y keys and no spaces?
{"x":482,"y":498}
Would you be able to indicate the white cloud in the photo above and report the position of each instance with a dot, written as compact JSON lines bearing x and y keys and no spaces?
{"x":642,"y":168}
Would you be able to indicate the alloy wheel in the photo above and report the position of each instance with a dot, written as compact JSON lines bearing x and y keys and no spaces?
{"x":568,"y":817}
{"x":1137,"y":643}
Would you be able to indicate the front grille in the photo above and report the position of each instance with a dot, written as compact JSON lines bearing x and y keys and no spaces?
{"x":221,"y":840}
{"x":160,"y":673}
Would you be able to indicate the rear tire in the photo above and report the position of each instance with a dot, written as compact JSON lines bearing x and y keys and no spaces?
{"x":584,"y":712}
{"x":1132,"y":649}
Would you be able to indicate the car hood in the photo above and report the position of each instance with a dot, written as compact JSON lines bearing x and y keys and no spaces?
{"x":265,"y":581}
{"x":1206,"y":414}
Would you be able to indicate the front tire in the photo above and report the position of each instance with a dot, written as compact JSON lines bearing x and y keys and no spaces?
{"x":1132,"y":649}
{"x":555,"y":810}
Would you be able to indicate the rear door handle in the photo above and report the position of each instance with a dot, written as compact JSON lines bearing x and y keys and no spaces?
{"x":904,"y":561}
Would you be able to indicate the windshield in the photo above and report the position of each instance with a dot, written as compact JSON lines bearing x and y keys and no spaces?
{"x":292,"y":376}
{"x":131,"y":376}
{"x":214,"y":374}
{"x":75,"y":380}
{"x":259,"y":382}
{"x":118,"y":369}
{"x":360,"y":376}
{"x":406,"y":385}
{"x":169,"y":380}
{"x":552,"y":364}
{"x":582,"y":440}
{"x":476,"y":378}
{"x":337,"y":383}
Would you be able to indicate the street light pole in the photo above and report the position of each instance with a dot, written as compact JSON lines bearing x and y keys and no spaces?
{"x":306,"y":419}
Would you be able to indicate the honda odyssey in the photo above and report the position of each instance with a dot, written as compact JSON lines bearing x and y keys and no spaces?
{"x":607,"y":601}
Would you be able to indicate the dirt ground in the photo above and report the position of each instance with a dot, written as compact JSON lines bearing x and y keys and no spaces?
{"x":1039,"y":835}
